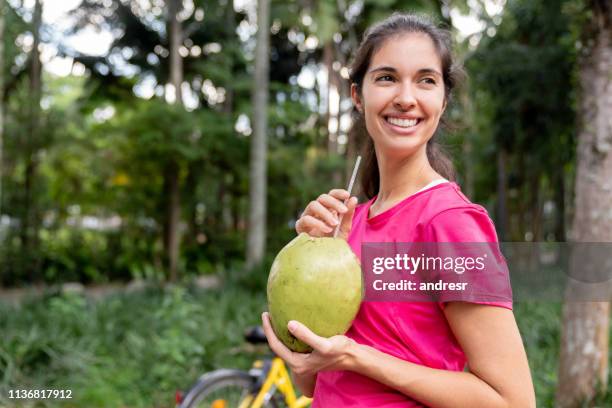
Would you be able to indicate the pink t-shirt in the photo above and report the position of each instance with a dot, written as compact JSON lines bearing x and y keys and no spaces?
{"x":413,"y":331}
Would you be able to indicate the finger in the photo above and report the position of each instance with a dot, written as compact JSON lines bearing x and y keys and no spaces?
{"x":275,"y":344}
{"x":314,"y":226}
{"x":318,"y":343}
{"x":347,"y":219}
{"x":332,"y":203}
{"x":299,"y":227}
{"x":339,"y":193}
{"x":323,"y":212}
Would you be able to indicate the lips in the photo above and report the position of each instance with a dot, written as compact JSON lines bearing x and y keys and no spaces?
{"x":404,"y":126}
{"x":402,"y":122}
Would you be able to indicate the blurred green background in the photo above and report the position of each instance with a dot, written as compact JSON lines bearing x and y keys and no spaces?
{"x":98,"y":150}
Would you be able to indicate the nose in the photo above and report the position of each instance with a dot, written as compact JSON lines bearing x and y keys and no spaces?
{"x":405,"y":98}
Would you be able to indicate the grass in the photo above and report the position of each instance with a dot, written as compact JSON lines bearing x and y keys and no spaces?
{"x":136,"y":349}
{"x":540,"y":324}
{"x":130,"y":350}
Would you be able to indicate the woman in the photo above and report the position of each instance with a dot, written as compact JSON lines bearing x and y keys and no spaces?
{"x":408,"y":354}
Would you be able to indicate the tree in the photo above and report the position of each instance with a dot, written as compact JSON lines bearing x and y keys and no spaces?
{"x":584,"y":339}
{"x":256,"y":239}
{"x":530,"y":131}
{"x":159,"y":55}
{"x":172,"y":169}
{"x":1,"y":95}
{"x":29,"y":219}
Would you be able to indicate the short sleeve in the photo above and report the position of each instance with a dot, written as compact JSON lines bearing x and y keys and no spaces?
{"x":469,"y":233}
{"x":470,"y":224}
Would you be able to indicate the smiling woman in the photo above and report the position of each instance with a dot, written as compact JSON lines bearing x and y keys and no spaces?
{"x":402,"y":96}
{"x":408,"y":354}
{"x":417,"y":72}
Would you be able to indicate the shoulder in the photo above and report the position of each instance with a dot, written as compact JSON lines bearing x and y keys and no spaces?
{"x":452,"y":217}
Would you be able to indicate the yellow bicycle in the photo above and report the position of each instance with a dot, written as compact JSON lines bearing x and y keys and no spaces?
{"x":266,"y":384}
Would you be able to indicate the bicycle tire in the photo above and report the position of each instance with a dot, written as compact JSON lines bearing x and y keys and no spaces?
{"x":219,"y":380}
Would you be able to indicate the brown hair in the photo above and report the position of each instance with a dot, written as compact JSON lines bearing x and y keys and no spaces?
{"x":374,"y":38}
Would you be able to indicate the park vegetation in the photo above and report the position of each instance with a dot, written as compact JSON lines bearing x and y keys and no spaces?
{"x":190,"y":145}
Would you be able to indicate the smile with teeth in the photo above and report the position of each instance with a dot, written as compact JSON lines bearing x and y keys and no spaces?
{"x":405,"y":123}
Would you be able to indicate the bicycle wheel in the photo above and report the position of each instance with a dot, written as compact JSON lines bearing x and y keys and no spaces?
{"x":225,"y":389}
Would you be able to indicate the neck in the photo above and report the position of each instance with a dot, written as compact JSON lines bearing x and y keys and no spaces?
{"x":402,"y":177}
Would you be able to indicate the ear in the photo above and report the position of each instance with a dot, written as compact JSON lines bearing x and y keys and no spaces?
{"x":356,"y":98}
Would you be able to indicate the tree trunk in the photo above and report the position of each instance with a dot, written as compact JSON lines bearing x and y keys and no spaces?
{"x":230,"y":26}
{"x":352,"y":141}
{"x":29,"y":224}
{"x":468,"y":167}
{"x":328,"y":61}
{"x":559,"y":197}
{"x":172,"y":218}
{"x":502,"y":200}
{"x":518,"y":224}
{"x":584,"y":339}
{"x":1,"y":101}
{"x":535,"y":207}
{"x":190,"y":189}
{"x":227,"y":197}
{"x":333,"y":108}
{"x":468,"y":160}
{"x":256,"y":240}
{"x":175,"y":39}
{"x":352,"y":146}
{"x":535,"y":218}
{"x":172,"y":238}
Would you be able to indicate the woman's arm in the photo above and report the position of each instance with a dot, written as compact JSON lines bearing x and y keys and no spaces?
{"x":305,"y":383}
{"x":499,"y":373}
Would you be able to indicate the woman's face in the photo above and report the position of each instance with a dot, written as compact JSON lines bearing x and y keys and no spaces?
{"x":402,"y":95}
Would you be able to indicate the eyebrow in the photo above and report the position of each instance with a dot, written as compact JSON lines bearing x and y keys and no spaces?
{"x":393,"y":70}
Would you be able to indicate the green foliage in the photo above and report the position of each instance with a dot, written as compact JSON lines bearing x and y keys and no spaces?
{"x":136,"y":349}
{"x":523,"y":96}
{"x":13,"y":58}
{"x":112,"y":167}
{"x":76,"y":254}
{"x":540,"y":327}
{"x":326,"y":20}
{"x":539,"y":324}
{"x":128,"y":350}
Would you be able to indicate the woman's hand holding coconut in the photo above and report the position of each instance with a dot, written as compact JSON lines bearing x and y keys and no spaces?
{"x":309,"y":311}
{"x":328,"y":353}
{"x":321,"y":216}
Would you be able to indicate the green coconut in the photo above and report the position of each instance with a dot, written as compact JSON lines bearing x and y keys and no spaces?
{"x":318,"y":282}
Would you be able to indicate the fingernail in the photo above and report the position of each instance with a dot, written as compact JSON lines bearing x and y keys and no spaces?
{"x":292,"y":325}
{"x":344,"y":208}
{"x":335,"y":221}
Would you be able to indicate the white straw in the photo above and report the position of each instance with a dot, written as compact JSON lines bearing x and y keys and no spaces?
{"x":350,"y":188}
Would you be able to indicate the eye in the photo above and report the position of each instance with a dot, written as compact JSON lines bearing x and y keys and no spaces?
{"x":384,"y":78}
{"x":429,"y":80}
